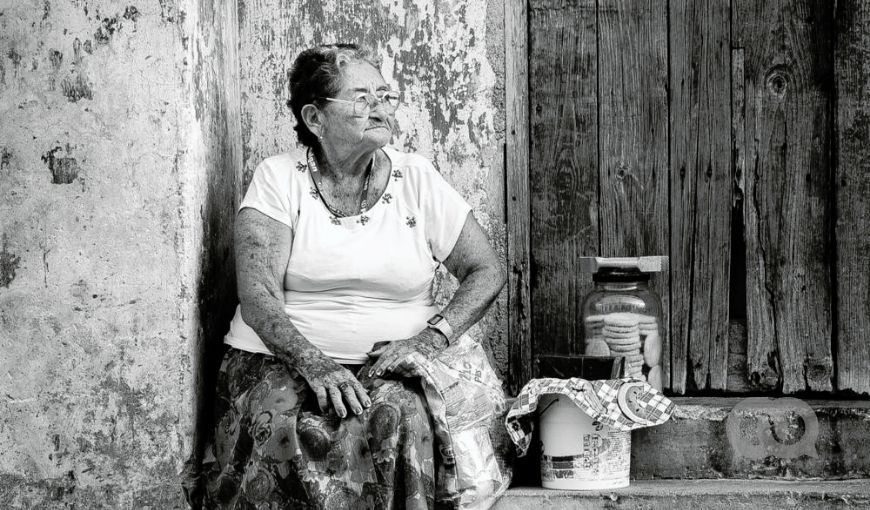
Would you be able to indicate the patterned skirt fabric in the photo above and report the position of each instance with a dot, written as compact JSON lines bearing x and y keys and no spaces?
{"x":274,"y":449}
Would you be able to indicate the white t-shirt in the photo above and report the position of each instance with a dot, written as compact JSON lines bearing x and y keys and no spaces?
{"x":351,"y":282}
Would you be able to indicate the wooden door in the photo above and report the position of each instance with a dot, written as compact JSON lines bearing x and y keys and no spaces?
{"x":702,"y":130}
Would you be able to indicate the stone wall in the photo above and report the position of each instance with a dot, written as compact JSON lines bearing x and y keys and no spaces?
{"x":117,"y":189}
{"x":446,"y":55}
{"x":126,"y":131}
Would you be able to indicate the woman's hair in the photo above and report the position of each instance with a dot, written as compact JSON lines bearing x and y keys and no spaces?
{"x":316,"y":73}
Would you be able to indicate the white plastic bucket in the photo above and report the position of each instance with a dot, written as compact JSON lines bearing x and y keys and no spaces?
{"x":575,"y":454}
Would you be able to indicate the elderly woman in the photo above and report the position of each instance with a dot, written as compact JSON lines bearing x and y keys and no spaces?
{"x":337,"y":254}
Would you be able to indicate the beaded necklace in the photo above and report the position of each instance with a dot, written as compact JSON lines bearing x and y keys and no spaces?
{"x":363,"y":204}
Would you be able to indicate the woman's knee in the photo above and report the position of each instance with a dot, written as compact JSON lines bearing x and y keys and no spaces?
{"x":278,"y":392}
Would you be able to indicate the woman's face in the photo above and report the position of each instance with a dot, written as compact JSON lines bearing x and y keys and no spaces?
{"x":342,"y":128}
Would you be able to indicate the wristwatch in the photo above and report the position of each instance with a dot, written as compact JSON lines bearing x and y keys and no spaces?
{"x":440,"y":324}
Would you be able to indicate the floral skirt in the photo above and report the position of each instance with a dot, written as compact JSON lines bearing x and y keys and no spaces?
{"x":273,"y":448}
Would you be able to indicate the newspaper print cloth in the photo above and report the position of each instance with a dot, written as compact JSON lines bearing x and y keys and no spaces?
{"x":622,"y":404}
{"x":468,"y":405}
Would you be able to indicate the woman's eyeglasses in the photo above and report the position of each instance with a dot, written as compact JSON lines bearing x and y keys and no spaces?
{"x":364,"y":103}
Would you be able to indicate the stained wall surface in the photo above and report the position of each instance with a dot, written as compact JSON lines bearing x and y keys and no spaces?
{"x":112,"y":213}
{"x":447,"y":56}
{"x":125,"y":132}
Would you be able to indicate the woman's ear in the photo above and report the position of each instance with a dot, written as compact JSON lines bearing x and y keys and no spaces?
{"x":313,"y":118}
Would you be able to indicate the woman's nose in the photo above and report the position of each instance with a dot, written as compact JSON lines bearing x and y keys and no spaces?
{"x":378,"y":113}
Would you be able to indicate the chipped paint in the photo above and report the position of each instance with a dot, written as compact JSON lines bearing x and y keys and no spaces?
{"x":65,"y":169}
{"x":5,"y":158}
{"x":117,"y":284}
{"x":444,"y":55}
{"x":99,"y":280}
{"x":8,"y":264}
{"x":107,"y":29}
{"x":132,"y":13}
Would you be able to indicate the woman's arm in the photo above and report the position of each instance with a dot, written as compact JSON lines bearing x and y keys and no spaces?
{"x":474,"y":263}
{"x":262,"y":249}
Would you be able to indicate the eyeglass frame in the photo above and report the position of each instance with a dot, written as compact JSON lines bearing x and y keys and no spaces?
{"x":370,"y":103}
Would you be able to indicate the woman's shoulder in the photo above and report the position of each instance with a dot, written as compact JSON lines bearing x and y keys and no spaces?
{"x":284,"y":162}
{"x":287,"y":170}
{"x":410,"y":165}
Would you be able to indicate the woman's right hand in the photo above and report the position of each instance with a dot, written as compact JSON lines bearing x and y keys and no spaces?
{"x":332,"y":383}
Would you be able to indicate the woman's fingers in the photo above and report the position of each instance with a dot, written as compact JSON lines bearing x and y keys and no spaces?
{"x":320,"y":391}
{"x":335,"y":397}
{"x":378,"y":368}
{"x":391,"y":365}
{"x":362,"y":394}
{"x":350,"y":397}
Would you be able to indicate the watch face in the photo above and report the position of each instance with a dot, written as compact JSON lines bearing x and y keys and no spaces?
{"x":434,"y":320}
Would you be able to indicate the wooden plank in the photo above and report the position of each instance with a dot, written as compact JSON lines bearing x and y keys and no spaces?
{"x":517,"y":189}
{"x":701,"y":182}
{"x":787,"y":213}
{"x":852,"y":69}
{"x":633,"y":135}
{"x":564,"y":171}
{"x":737,"y":370}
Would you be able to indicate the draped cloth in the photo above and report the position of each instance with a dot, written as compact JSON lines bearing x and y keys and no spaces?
{"x":433,"y":438}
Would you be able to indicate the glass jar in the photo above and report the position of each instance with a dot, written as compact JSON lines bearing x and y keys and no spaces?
{"x":622,"y":317}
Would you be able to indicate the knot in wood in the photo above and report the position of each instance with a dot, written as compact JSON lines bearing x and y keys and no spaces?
{"x":621,"y":171}
{"x":777,"y":82}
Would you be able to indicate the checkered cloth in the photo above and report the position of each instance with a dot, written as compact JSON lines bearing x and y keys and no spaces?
{"x":598,"y":399}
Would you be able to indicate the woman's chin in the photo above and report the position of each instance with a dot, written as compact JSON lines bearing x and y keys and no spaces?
{"x":378,"y":137}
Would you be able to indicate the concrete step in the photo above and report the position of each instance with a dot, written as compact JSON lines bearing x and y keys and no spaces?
{"x":697,"y":494}
{"x":784,"y":438}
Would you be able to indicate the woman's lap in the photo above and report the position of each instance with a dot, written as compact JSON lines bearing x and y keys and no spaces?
{"x":275,"y":449}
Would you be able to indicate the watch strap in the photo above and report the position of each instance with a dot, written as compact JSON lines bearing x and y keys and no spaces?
{"x":439,"y":323}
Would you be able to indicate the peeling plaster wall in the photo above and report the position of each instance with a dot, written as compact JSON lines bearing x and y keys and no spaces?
{"x":123,"y":135}
{"x":118,"y":177}
{"x":446,"y":54}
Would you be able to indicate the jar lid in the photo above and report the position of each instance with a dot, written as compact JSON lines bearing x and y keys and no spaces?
{"x":612,"y":275}
{"x":649,"y":264}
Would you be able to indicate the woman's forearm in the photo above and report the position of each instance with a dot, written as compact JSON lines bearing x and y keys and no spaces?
{"x":476,"y":292}
{"x":262,"y":248}
{"x":265,"y":315}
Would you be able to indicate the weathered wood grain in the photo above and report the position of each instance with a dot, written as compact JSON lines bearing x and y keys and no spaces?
{"x":563,"y":174}
{"x":737,"y":370}
{"x":789,"y":89}
{"x":633,"y":135}
{"x":517,"y":189}
{"x":700,"y":196}
{"x":852,"y":68}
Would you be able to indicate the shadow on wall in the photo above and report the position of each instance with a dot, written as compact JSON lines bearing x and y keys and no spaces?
{"x":217,"y":103}
{"x":216,"y":300}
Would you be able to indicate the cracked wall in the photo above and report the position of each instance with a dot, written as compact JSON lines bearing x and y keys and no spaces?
{"x":123,"y":145}
{"x":118,"y":178}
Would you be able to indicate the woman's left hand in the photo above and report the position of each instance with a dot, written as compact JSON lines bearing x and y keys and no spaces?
{"x":427,"y":342}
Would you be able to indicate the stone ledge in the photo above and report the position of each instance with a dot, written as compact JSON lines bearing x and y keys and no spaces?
{"x":22,"y":493}
{"x":694,"y":444}
{"x":699,"y":494}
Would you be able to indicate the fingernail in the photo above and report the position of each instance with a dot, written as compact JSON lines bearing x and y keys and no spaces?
{"x":357,"y":410}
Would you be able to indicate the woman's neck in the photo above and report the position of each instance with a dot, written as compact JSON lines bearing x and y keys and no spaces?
{"x":340,"y":165}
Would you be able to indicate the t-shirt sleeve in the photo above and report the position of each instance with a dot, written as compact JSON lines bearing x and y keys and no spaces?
{"x":269,"y":193}
{"x":444,"y":211}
